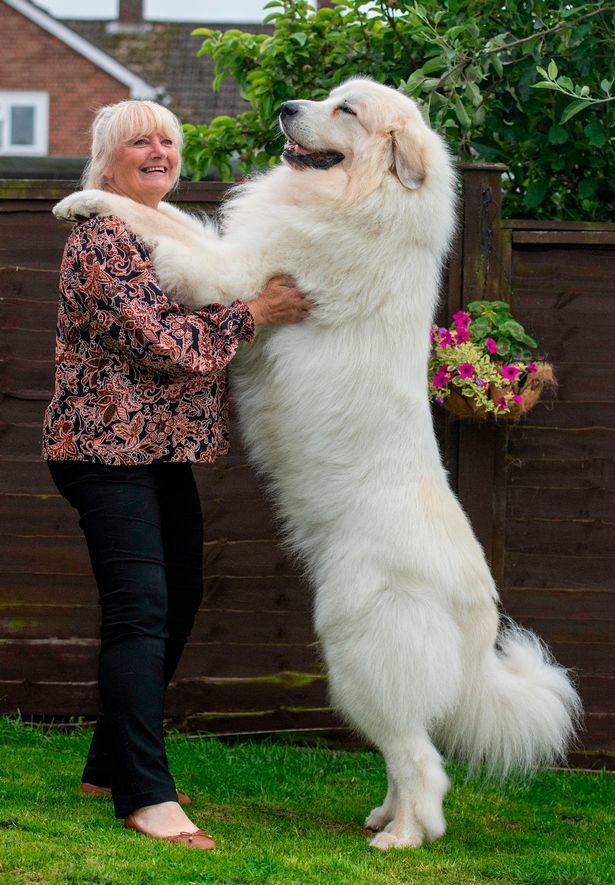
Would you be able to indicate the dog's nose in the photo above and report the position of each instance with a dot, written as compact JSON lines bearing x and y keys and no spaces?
{"x":290,"y":108}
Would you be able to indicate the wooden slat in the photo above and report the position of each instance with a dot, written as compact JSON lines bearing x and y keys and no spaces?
{"x":183,"y":699}
{"x":556,"y":628}
{"x":559,"y":571}
{"x":68,"y":555}
{"x":44,"y":514}
{"x":581,"y":415}
{"x":76,"y":660}
{"x":251,"y":593}
{"x":560,"y":224}
{"x":561,"y":237}
{"x":535,"y":602}
{"x":561,"y":444}
{"x":595,"y":474}
{"x":82,"y":621}
{"x":561,"y":503}
{"x":583,"y":537}
{"x":23,"y":375}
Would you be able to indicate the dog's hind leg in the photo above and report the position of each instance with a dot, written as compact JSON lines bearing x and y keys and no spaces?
{"x":420,"y":783}
{"x":380,"y":816}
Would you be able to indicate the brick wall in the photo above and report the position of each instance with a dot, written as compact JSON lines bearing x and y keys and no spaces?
{"x":32,"y":59}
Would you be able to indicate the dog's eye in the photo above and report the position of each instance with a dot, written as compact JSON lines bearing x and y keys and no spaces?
{"x":346,"y":110}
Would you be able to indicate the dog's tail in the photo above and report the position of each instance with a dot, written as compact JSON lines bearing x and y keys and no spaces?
{"x":518,"y":709}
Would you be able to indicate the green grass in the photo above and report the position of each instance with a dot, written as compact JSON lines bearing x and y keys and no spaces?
{"x":283,"y":813}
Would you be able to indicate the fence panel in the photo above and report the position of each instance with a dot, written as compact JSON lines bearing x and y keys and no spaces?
{"x":541,"y":495}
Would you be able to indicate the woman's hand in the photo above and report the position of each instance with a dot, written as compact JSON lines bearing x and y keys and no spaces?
{"x":280,"y":303}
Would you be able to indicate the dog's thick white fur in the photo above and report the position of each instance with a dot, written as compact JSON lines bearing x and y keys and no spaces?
{"x":335,"y":414}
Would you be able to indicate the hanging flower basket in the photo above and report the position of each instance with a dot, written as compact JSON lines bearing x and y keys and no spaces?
{"x":529,"y":389}
{"x":482,"y":366}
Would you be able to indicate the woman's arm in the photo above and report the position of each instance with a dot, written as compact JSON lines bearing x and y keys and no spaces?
{"x":130,"y":313}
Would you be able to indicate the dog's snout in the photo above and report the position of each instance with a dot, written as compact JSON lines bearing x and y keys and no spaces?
{"x":290,"y":108}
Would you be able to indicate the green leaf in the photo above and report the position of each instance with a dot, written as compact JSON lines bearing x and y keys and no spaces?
{"x":513,"y":328}
{"x":300,"y":38}
{"x":552,"y":70}
{"x":573,"y":108}
{"x":201,"y":32}
{"x":565,"y":83}
{"x":461,"y":113}
{"x":435,"y":64}
{"x":535,"y":194}
{"x":546,"y":84}
{"x":413,"y":82}
{"x":557,"y":135}
{"x":606,"y":85}
{"x":474,"y":94}
{"x":587,"y":188}
{"x":595,"y":133}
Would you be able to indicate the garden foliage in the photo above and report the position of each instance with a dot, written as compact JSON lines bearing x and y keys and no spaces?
{"x":526,"y":83}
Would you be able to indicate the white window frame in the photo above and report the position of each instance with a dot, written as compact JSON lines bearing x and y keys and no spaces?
{"x":40,"y":102}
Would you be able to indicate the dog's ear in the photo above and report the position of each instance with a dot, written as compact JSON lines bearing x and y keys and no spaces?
{"x":408,"y":157}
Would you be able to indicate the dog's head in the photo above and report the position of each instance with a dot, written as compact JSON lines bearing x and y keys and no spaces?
{"x":364,"y":129}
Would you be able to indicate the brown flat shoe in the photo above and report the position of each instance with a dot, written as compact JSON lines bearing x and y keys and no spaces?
{"x":198,"y":839}
{"x":93,"y":790}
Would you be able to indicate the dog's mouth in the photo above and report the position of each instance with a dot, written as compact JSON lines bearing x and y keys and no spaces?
{"x":297,"y":155}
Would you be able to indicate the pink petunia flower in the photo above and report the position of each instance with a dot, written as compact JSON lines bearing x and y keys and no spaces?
{"x":445,"y":337}
{"x":492,"y":346}
{"x":518,"y":398}
{"x":462,"y":335}
{"x":462,"y":319}
{"x":531,"y":367}
{"x":510,"y":372}
{"x":466,"y":370}
{"x":441,"y":378}
{"x":501,"y":403}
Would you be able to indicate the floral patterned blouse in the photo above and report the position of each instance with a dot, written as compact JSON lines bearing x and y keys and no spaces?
{"x":138,"y":378}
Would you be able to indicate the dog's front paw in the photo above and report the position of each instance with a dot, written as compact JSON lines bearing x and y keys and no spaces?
{"x":82,"y":205}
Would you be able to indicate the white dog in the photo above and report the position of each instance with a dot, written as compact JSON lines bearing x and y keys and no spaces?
{"x":335,"y":414}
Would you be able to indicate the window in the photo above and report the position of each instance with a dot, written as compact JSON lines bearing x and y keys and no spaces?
{"x":24,"y":123}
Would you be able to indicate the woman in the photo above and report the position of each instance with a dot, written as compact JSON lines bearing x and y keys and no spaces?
{"x":140,"y":393}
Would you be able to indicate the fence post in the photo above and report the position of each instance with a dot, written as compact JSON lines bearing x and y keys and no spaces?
{"x":482,"y":267}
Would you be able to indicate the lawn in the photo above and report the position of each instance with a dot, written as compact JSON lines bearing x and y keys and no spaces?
{"x":283,"y":813}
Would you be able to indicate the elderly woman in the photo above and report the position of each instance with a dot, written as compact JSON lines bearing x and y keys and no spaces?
{"x":140,"y":394}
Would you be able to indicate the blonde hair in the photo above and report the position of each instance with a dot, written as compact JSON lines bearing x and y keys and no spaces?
{"x":117,"y":124}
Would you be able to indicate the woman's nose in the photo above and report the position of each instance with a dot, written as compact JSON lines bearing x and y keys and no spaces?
{"x":157,"y":146}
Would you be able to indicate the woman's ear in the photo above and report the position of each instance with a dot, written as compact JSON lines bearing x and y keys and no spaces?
{"x":408,"y":157}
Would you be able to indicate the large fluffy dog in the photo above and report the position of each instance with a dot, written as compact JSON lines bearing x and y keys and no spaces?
{"x":335,"y":414}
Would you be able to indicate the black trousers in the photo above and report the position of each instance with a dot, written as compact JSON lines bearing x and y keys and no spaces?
{"x":144,"y":531}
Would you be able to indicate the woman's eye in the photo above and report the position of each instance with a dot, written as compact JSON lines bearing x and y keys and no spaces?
{"x":346,"y":110}
{"x":140,"y":141}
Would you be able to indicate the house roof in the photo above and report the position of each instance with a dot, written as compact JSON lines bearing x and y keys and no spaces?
{"x":139,"y":88}
{"x":165,"y":54}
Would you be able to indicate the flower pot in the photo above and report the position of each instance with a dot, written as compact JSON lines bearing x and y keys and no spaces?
{"x":530,"y":389}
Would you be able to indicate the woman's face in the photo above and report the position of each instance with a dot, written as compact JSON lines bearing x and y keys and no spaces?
{"x":144,"y":169}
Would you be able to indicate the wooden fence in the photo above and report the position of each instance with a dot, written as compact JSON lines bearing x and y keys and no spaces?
{"x":541,"y":494}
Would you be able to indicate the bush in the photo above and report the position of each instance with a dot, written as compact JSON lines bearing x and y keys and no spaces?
{"x":522,"y":83}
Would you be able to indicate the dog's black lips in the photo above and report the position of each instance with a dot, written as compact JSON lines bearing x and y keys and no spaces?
{"x":296,"y":155}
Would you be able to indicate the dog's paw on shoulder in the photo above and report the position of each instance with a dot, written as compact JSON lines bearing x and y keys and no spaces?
{"x":81,"y":206}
